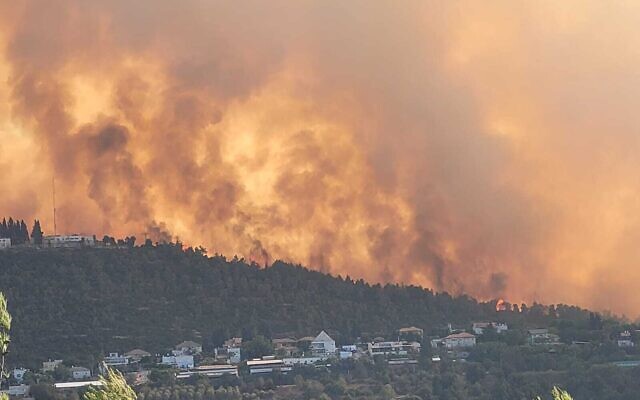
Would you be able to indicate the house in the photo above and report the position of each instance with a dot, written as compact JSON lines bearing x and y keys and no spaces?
{"x":347,"y":351}
{"x":267,"y":365}
{"x":73,"y":240}
{"x":480,"y":327}
{"x":285,"y":346}
{"x":51,"y":365}
{"x":323,"y":345}
{"x":410,"y":333}
{"x":188,"y":347}
{"x":393,"y":348}
{"x":459,"y":341}
{"x":136,"y":355}
{"x":302,"y":360}
{"x":115,"y":359}
{"x":5,"y":243}
{"x":234,"y":354}
{"x":233,"y":342}
{"x":180,"y":361}
{"x":18,"y":390}
{"x":18,"y":374}
{"x":625,"y":340}
{"x":542,"y":336}
{"x":79,"y":373}
{"x":210,"y":371}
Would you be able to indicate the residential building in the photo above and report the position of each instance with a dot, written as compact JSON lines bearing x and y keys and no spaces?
{"x":542,"y":336}
{"x":5,"y":243}
{"x":302,"y":360}
{"x":73,"y":240}
{"x":234,"y":354}
{"x":18,"y":374}
{"x":210,"y":371}
{"x":285,"y":347}
{"x":625,"y":340}
{"x":21,"y":390}
{"x":115,"y":359}
{"x":395,"y":348}
{"x":51,"y":365}
{"x":267,"y":365}
{"x":233,"y":342}
{"x":323,"y":345}
{"x":188,"y":347}
{"x":136,"y":355}
{"x":410,"y":333}
{"x":79,"y":373}
{"x":455,"y":341}
{"x":480,"y":327}
{"x":180,"y":361}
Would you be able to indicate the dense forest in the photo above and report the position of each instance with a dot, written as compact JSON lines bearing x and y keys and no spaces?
{"x":78,"y":304}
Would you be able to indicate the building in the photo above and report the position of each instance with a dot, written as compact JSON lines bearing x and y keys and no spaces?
{"x":323,"y":346}
{"x":625,"y":340}
{"x":267,"y":365}
{"x":51,"y":365}
{"x":18,"y":390}
{"x":188,"y":347}
{"x":455,"y":341}
{"x":79,"y":373}
{"x":116,"y":359}
{"x":302,"y":360}
{"x":210,"y":371}
{"x":285,"y":347}
{"x":75,"y":385}
{"x":542,"y":336}
{"x":393,"y":348}
{"x":73,"y":241}
{"x":180,"y":361}
{"x":480,"y":327}
{"x":410,"y":333}
{"x":233,"y":342}
{"x":5,"y":243}
{"x":234,"y":354}
{"x":18,"y":374}
{"x":136,"y":355}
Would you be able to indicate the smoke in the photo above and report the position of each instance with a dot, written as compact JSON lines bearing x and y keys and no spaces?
{"x":480,"y":148}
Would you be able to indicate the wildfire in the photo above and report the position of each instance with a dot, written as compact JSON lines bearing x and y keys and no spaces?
{"x":501,"y":305}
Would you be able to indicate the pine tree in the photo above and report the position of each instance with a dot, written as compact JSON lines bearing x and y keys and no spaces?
{"x":36,"y":233}
{"x":24,"y":233}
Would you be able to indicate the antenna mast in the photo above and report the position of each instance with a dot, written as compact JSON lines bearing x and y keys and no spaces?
{"x":55,"y":227}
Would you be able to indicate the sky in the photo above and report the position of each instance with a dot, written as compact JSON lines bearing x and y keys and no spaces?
{"x":482,"y":148}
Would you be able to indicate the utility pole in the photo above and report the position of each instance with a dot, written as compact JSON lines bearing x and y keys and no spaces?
{"x":55,"y":227}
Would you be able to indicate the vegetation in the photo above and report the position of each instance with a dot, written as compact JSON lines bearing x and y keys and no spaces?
{"x":15,"y":230}
{"x":114,"y":387}
{"x":5,"y":327}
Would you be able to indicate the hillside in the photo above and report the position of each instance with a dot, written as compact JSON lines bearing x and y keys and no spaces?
{"x":79,"y":304}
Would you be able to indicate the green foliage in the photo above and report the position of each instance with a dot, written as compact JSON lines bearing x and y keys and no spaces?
{"x":258,"y":347}
{"x":559,"y":394}
{"x":114,"y":387}
{"x":5,"y":327}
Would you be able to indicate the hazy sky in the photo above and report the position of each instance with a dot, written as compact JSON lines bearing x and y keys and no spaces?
{"x":490,"y":148}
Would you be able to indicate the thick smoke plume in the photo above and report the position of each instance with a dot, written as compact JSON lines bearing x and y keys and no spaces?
{"x":488,"y":148}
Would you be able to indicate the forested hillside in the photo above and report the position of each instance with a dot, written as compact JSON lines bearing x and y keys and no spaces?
{"x":79,"y":304}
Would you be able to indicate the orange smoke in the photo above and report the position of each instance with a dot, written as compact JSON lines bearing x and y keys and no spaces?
{"x":476,"y":148}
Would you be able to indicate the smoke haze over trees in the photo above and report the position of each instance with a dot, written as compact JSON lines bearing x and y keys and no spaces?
{"x":478,"y":148}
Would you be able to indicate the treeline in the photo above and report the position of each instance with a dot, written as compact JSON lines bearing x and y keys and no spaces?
{"x":79,"y":305}
{"x":18,"y":233}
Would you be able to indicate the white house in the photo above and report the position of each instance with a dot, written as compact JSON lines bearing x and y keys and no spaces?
{"x":625,"y":340}
{"x":79,"y":373}
{"x":323,"y":346}
{"x":73,"y":240}
{"x":188,"y":347}
{"x":480,"y":327}
{"x":115,"y":359}
{"x":180,"y":361}
{"x":459,"y":340}
{"x":267,"y":365}
{"x":5,"y":243}
{"x":18,"y":390}
{"x":396,"y":348}
{"x":50,"y":366}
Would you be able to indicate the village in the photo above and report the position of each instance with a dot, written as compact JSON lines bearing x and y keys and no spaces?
{"x":189,"y":360}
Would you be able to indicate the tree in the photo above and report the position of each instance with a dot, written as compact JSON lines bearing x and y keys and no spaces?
{"x":114,"y":387}
{"x":559,"y":394}
{"x":36,"y":233}
{"x":5,"y":326}
{"x":258,"y":347}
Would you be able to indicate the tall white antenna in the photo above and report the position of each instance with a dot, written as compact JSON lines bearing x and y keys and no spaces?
{"x":55,"y":227}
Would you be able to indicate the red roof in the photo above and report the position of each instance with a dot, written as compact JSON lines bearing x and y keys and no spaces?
{"x":462,"y":335}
